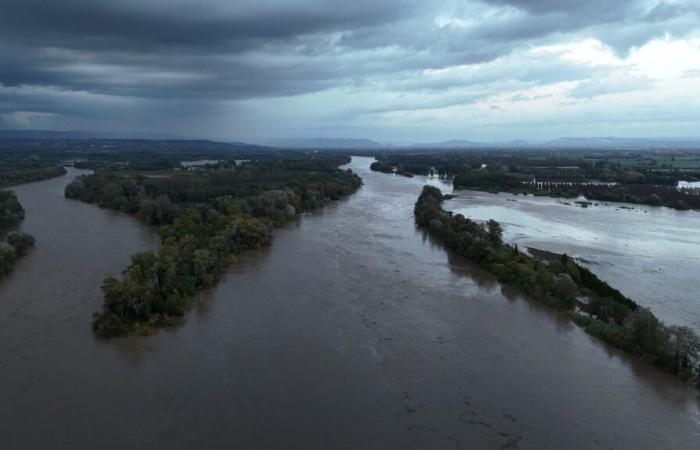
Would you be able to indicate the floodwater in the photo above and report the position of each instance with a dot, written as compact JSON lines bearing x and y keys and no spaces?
{"x":352,"y":331}
{"x":651,"y":254}
{"x":689,"y":184}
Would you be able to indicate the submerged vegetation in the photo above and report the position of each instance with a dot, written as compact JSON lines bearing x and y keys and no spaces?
{"x":562,"y":283}
{"x":642,"y":177}
{"x":379,"y":166}
{"x":645,"y":194}
{"x":205,"y":218}
{"x":11,"y":212}
{"x":16,"y":169}
{"x":13,"y":245}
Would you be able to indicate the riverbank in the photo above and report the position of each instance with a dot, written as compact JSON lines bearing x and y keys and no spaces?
{"x":21,"y":171}
{"x":13,"y":244}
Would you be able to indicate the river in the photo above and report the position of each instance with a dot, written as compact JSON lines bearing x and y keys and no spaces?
{"x":352,"y":331}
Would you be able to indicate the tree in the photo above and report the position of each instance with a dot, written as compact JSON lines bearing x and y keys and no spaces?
{"x":20,"y":241}
{"x":564,"y":287}
{"x":647,"y":334}
{"x":160,"y":211}
{"x":11,"y":212}
{"x":7,"y":257}
{"x":495,"y":233}
{"x":684,"y":348}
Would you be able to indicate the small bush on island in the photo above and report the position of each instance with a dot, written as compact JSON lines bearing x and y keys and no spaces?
{"x":11,"y":212}
{"x":560,"y":282}
{"x":12,"y":247}
{"x":14,"y":244}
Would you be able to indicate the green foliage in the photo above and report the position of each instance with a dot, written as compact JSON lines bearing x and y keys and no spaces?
{"x":379,"y":166}
{"x":14,"y":244}
{"x":495,"y":232}
{"x":23,"y":170}
{"x":558,"y":282}
{"x":401,"y":169}
{"x":12,"y":248}
{"x":22,"y":242}
{"x":11,"y":212}
{"x":487,"y":180}
{"x":158,"y":211}
{"x":204,"y":218}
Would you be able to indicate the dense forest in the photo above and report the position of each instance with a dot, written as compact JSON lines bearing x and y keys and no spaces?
{"x":126,"y":154}
{"x":379,"y":166}
{"x":24,"y":171}
{"x":16,"y":170}
{"x":205,"y":218}
{"x":13,"y":244}
{"x":562,"y":283}
{"x":11,"y":212}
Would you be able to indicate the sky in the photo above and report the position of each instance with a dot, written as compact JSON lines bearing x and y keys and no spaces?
{"x":391,"y":70}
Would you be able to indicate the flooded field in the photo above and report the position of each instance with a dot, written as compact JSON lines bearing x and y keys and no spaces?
{"x":651,"y":254}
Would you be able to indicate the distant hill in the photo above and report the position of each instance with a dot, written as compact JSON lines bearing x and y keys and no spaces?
{"x":572,"y":143}
{"x":623,"y":143}
{"x":454,"y":144}
{"x":523,"y":143}
{"x":324,"y":143}
{"x":368,"y":144}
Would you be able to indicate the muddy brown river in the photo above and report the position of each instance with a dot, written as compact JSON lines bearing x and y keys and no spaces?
{"x":352,"y":331}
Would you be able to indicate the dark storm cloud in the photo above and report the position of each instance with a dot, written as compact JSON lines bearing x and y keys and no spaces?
{"x":85,"y":58}
{"x":206,"y":48}
{"x":105,"y":24}
{"x":248,"y":49}
{"x":590,"y":7}
{"x":543,"y":17}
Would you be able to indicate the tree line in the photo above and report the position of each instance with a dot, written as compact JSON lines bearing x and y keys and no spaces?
{"x":11,"y":211}
{"x":560,"y":282}
{"x":26,"y":171}
{"x":13,"y":244}
{"x":626,"y":177}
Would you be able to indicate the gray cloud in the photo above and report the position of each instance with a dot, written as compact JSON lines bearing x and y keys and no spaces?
{"x":96,"y":60}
